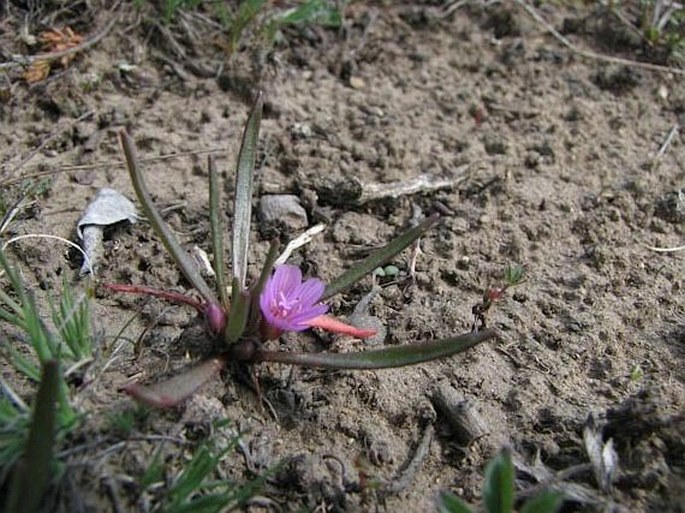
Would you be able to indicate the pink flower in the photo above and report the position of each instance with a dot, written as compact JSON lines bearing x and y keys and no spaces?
{"x":289,"y":304}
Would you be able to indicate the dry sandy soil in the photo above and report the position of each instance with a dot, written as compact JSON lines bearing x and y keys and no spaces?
{"x":552,"y":160}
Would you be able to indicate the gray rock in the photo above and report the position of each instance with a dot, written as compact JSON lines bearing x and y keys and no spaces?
{"x":283,"y":208}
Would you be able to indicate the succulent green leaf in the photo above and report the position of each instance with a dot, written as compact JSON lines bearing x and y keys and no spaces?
{"x":242,"y":210}
{"x":173,"y":391}
{"x":498,"y":489}
{"x":217,"y":232}
{"x":237,"y":317}
{"x":450,"y":503}
{"x":163,"y":232}
{"x":256,"y":291}
{"x":397,"y":356}
{"x":32,"y":474}
{"x":378,"y":258}
{"x":544,"y":502}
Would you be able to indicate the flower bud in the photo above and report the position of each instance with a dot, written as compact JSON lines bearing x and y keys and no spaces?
{"x":215,"y":318}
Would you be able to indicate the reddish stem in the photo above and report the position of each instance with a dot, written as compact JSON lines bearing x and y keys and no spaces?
{"x":176,"y":297}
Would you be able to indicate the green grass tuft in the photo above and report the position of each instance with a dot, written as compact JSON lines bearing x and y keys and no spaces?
{"x":42,"y":349}
{"x":199,"y":487}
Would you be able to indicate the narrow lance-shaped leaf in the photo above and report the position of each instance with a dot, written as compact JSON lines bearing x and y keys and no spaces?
{"x":257,"y":288}
{"x":32,"y":473}
{"x":450,"y":503}
{"x":173,"y":391}
{"x":25,"y":365}
{"x":397,"y":356}
{"x":42,"y":340}
{"x":356,"y":273}
{"x":217,"y":232}
{"x":7,"y":301}
{"x":242,"y":210}
{"x":191,"y":480}
{"x":13,"y":276}
{"x":544,"y":502}
{"x":498,"y":489}
{"x":19,"y":319}
{"x":163,"y":232}
{"x":8,"y":317}
{"x":237,"y":317}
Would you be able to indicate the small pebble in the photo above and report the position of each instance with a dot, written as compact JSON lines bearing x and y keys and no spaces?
{"x":357,"y":82}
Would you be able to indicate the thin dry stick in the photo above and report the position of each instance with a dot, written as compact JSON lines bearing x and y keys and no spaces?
{"x":13,"y":211}
{"x":666,"y":250}
{"x":298,"y":242}
{"x":405,"y":477}
{"x":48,"y":236}
{"x":26,"y":60}
{"x":669,"y":139}
{"x":592,"y":55}
{"x":417,"y":184}
{"x":116,"y":163}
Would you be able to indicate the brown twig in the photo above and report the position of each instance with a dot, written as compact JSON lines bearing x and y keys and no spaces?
{"x":116,"y":163}
{"x":533,"y":13}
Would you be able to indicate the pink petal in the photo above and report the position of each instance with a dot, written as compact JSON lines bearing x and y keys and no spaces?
{"x":285,"y":279}
{"x":301,"y":320}
{"x":311,"y":291}
{"x":334,"y":325}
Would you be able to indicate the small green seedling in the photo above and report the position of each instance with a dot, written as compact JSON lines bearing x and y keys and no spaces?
{"x":513,"y":275}
{"x":29,"y":435}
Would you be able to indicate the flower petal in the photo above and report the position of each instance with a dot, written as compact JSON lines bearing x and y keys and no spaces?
{"x":287,"y":303}
{"x":286,"y":278}
{"x":301,"y":320}
{"x":310,"y":291}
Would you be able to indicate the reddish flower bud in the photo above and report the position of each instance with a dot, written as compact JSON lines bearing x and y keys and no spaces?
{"x":215,"y":317}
